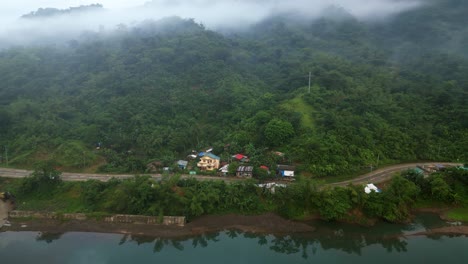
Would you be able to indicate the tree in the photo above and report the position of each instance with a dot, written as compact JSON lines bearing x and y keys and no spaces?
{"x":278,"y":132}
{"x":43,"y":179}
{"x":334,"y":203}
{"x":440,"y":189}
{"x":398,"y":198}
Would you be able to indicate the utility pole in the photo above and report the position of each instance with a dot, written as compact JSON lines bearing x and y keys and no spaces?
{"x":310,"y":77}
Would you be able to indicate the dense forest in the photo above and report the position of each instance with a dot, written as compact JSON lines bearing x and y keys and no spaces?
{"x":381,"y":92}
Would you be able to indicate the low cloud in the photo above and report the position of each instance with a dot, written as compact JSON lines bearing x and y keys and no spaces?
{"x":214,"y":14}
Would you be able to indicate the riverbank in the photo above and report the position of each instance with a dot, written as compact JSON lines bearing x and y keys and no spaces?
{"x":259,"y":224}
{"x":5,"y":207}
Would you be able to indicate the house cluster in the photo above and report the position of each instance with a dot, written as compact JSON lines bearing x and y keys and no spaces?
{"x":207,"y":161}
{"x":428,"y":169}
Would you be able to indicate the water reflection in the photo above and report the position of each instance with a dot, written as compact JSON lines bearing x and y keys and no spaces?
{"x":48,"y":237}
{"x":349,"y":239}
{"x":337,"y":236}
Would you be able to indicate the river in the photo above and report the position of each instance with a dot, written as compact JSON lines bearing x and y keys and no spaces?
{"x":331,"y":243}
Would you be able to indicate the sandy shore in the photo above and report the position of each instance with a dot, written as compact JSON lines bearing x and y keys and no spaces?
{"x":261,"y":224}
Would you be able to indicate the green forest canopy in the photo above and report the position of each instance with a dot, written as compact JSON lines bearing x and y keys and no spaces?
{"x":381,"y":92}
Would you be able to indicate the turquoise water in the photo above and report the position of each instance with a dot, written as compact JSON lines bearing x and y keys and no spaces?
{"x":331,"y":243}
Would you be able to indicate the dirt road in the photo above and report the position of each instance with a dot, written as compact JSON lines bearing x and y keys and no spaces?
{"x":376,"y":176}
{"x":67,"y":176}
{"x":387,"y":173}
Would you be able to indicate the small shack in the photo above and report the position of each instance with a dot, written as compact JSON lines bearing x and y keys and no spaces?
{"x":244,"y":171}
{"x":182,"y":164}
{"x":285,"y":171}
{"x":224,"y":170}
{"x":371,"y":188}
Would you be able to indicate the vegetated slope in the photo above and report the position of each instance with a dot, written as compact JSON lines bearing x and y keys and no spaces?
{"x":161,"y":89}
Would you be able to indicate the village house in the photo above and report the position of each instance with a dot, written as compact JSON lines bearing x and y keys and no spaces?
{"x":244,"y":171}
{"x":182,"y":164}
{"x":224,"y":170}
{"x":208,"y":162}
{"x":241,"y":158}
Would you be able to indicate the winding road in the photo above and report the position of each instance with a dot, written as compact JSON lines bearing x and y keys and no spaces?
{"x":386,"y":173}
{"x":379,"y":175}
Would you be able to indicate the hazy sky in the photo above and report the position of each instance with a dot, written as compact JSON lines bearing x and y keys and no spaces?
{"x":357,"y":7}
{"x":212,"y":13}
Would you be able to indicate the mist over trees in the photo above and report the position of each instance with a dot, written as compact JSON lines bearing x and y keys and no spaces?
{"x":51,"y":12}
{"x":382,"y":92}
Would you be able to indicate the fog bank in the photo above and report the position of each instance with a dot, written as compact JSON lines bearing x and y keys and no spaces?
{"x":214,"y":14}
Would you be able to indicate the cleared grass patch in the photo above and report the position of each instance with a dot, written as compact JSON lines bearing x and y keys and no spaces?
{"x":65,"y":199}
{"x":298,"y":105}
{"x":458,"y":214}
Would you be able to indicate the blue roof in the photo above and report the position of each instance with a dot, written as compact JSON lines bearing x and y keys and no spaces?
{"x":213,"y":156}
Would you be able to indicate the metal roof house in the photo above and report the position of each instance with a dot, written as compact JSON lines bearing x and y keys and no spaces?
{"x":241,"y":158}
{"x":285,"y":171}
{"x":244,"y":171}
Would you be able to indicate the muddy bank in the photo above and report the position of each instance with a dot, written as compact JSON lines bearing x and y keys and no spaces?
{"x":261,"y":224}
{"x":267,"y":223}
{"x":434,"y":210}
{"x":448,"y":230}
{"x":5,"y":207}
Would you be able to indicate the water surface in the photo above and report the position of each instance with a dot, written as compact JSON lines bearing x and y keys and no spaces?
{"x":331,"y":243}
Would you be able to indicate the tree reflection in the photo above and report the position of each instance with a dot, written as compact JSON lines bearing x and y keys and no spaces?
{"x":48,"y":237}
{"x":347,"y":238}
{"x":397,"y":244}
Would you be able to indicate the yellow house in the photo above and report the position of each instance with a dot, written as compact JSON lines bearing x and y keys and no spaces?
{"x":209,"y":162}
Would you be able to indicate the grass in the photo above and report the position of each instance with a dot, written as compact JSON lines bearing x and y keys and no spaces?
{"x":458,"y":214}
{"x":352,"y":176}
{"x":297,"y":104}
{"x":424,"y":203}
{"x":64,"y":199}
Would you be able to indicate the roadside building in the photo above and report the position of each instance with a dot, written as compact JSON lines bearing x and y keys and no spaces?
{"x":285,"y":171}
{"x":245,"y":171}
{"x":241,"y":158}
{"x":182,"y":164}
{"x":224,"y":170}
{"x":209,"y":162}
{"x":371,"y":188}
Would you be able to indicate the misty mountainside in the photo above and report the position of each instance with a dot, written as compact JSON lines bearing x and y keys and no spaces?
{"x":51,"y":12}
{"x":381,"y":92}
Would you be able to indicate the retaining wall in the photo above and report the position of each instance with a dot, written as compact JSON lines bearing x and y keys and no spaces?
{"x":128,"y":219}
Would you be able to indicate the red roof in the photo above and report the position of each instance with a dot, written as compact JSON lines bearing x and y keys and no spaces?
{"x":239,"y":156}
{"x":264,"y":167}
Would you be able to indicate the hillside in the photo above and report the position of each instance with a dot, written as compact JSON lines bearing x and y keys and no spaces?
{"x":157,"y":90}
